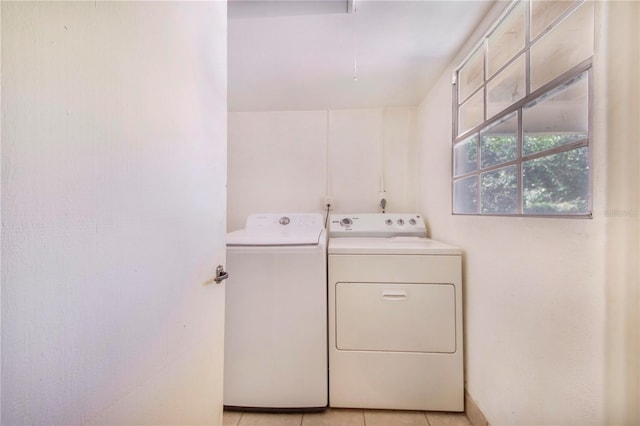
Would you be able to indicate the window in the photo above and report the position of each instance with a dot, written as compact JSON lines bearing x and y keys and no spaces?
{"x":521,"y":143}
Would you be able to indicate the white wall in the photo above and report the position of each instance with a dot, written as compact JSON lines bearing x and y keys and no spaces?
{"x":276,"y":163}
{"x":288,"y":161}
{"x":537,"y":320}
{"x":113,"y":142}
{"x":0,"y":220}
{"x":619,"y":64}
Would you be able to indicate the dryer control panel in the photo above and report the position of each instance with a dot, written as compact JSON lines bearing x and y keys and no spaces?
{"x":377,"y":225}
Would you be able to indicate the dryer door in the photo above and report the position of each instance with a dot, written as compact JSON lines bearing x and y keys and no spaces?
{"x":395,"y":317}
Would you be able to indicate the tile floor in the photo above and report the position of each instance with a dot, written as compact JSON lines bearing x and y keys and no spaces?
{"x":347,"y":417}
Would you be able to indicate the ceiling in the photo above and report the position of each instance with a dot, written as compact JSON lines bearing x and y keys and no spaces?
{"x":313,"y":54}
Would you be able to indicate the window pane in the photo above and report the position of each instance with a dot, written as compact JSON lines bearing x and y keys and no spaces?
{"x":465,"y":156}
{"x":544,"y":12}
{"x":471,"y":113}
{"x":557,"y":118}
{"x":465,"y":195}
{"x":518,"y":149}
{"x":471,"y":75}
{"x":506,"y":40}
{"x":499,"y":142}
{"x":499,"y":191}
{"x":557,"y":184}
{"x":565,"y":46}
{"x":507,"y":88}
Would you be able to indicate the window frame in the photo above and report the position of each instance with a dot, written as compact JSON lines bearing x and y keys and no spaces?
{"x":517,"y":107}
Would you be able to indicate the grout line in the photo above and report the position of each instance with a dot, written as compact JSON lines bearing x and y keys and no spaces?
{"x":364,"y":418}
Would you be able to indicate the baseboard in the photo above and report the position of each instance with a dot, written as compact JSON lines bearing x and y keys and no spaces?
{"x":475,"y":416}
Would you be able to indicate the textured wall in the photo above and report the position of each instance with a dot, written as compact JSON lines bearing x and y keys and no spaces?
{"x":620,"y":68}
{"x":289,"y":160}
{"x":113,"y":172}
{"x":551,"y":305}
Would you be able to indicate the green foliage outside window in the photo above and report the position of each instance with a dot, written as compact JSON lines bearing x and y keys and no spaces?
{"x":498,"y":149}
{"x":499,"y":193}
{"x":555,"y":184}
{"x":536,"y":143}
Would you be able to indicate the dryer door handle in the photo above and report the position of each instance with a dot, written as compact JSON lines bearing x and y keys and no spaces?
{"x":394,"y":295}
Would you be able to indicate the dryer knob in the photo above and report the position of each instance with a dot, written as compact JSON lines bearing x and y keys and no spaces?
{"x":388,"y":222}
{"x":346,"y":222}
{"x":400,"y":222}
{"x":412,"y":222}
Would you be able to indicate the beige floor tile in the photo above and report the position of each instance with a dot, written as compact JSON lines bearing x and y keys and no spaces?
{"x":264,"y":419}
{"x":231,"y":418}
{"x":448,"y":419}
{"x":395,"y":418}
{"x":334,"y":417}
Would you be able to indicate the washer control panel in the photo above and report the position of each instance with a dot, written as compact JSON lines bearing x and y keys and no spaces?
{"x":377,"y":225}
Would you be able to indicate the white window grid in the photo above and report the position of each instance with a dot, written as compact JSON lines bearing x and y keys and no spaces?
{"x":565,"y":78}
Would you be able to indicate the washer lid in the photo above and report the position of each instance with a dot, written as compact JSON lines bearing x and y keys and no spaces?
{"x":393,"y":245}
{"x":279,"y":229}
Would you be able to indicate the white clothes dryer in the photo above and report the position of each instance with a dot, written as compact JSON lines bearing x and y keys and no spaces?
{"x":395,"y":315}
{"x":275,"y":355}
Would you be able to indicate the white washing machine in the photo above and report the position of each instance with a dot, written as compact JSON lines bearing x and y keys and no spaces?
{"x":275,"y":355}
{"x":395,"y":315}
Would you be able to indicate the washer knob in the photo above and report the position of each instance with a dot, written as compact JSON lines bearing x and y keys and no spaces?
{"x":284,"y":220}
{"x":412,"y":222}
{"x":388,"y":222}
{"x":400,"y":222}
{"x":346,"y":222}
